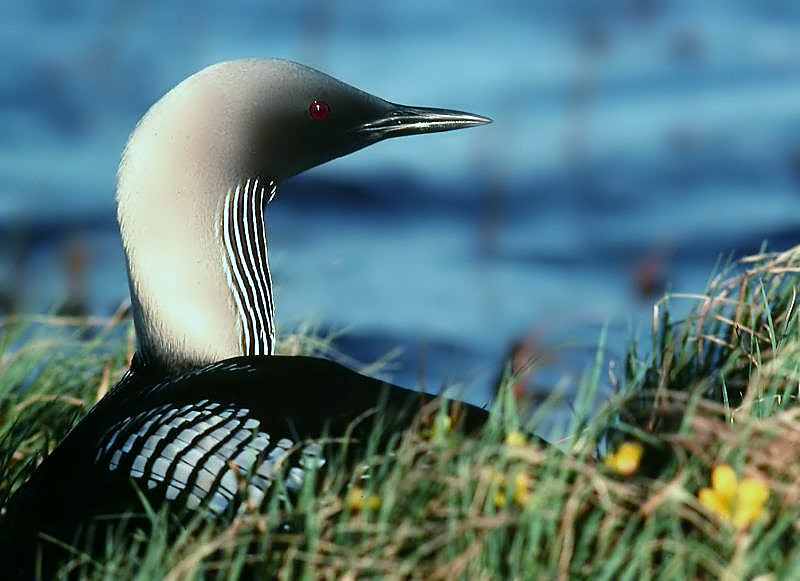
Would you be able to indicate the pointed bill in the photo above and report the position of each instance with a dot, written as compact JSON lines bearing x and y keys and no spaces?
{"x":404,"y":120}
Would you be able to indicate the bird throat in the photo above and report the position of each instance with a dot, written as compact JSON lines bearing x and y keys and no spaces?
{"x":243,"y":233}
{"x":199,"y":275}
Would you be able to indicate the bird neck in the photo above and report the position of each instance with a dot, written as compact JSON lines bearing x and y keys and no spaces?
{"x":193,"y":231}
{"x":244,"y":234}
{"x":199,"y":275}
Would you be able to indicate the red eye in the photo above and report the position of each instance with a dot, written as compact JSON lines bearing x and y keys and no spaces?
{"x":319,"y":110}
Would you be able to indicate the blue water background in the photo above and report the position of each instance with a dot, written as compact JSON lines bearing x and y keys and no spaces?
{"x":629,"y":137}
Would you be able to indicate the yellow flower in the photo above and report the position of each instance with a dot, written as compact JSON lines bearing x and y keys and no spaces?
{"x":739,"y":503}
{"x":519,"y":489}
{"x":515,"y":438}
{"x":358,"y":499}
{"x":495,"y":480}
{"x":626,"y":459}
{"x":522,"y":491}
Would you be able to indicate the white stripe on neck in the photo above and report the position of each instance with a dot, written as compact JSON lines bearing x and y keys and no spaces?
{"x":247,"y":264}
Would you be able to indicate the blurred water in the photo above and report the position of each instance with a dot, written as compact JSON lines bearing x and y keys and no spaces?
{"x":634,"y":144}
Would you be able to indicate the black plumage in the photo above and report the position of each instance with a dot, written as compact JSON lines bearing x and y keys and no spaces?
{"x":216,"y":415}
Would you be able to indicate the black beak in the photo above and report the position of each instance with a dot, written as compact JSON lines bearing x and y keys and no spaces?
{"x":404,"y":120}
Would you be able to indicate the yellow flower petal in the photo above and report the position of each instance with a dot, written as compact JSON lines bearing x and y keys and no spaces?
{"x":358,"y":499}
{"x":745,"y":516}
{"x":750,"y":499}
{"x":626,"y":459}
{"x":522,"y":492}
{"x":373,"y":502}
{"x":724,"y":481}
{"x":515,"y":438}
{"x":709,"y":498}
{"x":752,"y":492}
{"x":355,"y":498}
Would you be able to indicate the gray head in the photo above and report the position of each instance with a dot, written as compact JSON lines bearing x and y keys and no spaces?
{"x":194,"y":180}
{"x":294,"y":117}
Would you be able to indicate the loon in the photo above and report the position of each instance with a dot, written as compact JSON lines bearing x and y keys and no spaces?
{"x":206,"y":400}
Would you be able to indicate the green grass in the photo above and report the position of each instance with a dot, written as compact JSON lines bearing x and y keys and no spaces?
{"x":719,"y":387}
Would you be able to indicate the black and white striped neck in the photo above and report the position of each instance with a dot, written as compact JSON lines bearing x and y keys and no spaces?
{"x":200,"y":281}
{"x":247,"y":265}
